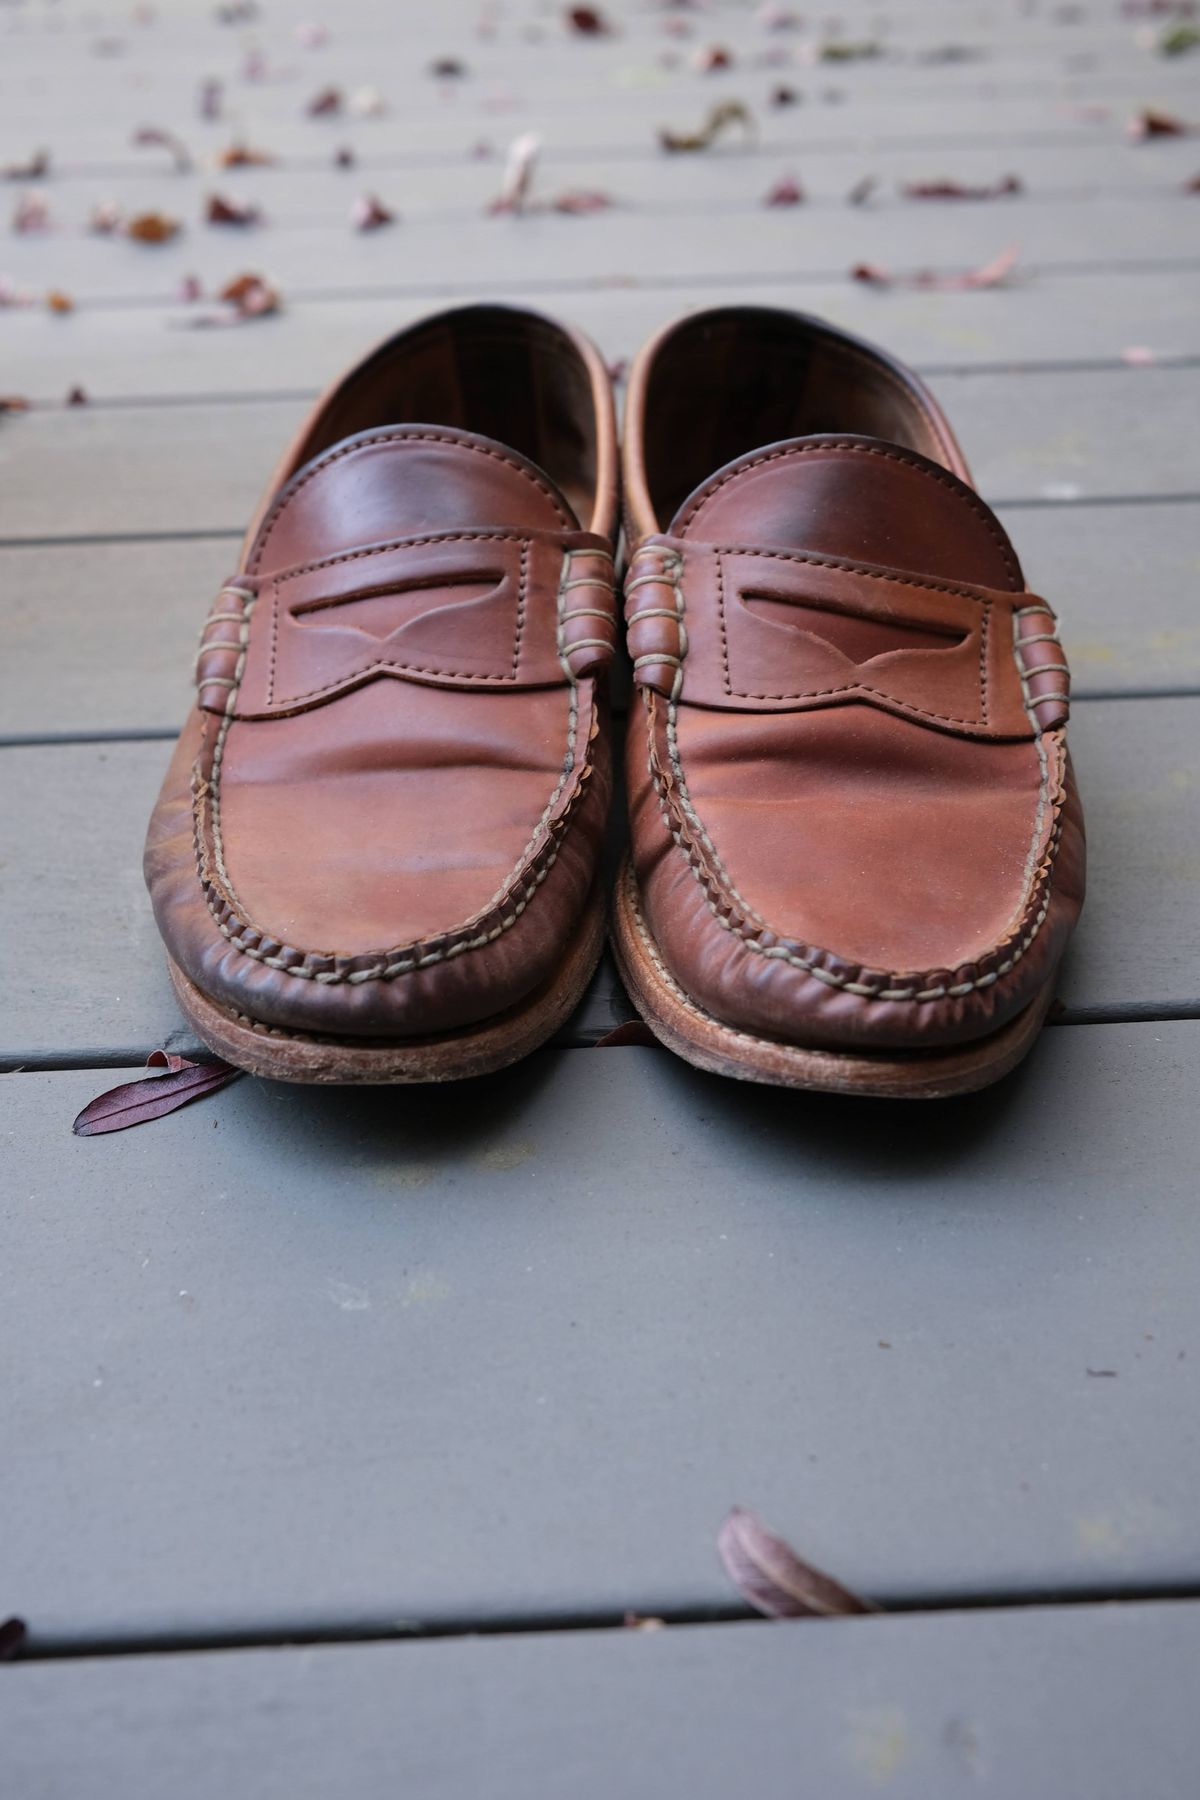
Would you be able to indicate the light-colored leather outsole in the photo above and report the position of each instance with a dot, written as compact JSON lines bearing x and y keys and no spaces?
{"x":699,"y":1038}
{"x":280,"y":1055}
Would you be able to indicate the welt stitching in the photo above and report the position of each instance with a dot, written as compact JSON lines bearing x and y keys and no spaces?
{"x":959,"y":489}
{"x":412,"y":543}
{"x":409,"y":668}
{"x":408,"y":958}
{"x":847,"y":687}
{"x":391,"y":437}
{"x":808,"y":964}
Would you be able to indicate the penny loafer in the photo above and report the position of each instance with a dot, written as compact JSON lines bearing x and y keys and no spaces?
{"x":375,"y":854}
{"x":857,"y":851}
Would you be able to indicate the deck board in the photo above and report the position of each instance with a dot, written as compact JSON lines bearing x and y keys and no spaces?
{"x":373,"y":1356}
{"x":1122,"y":578}
{"x":80,"y":810}
{"x":1095,"y":1701}
{"x":1069,"y":434}
{"x":293,"y":1362}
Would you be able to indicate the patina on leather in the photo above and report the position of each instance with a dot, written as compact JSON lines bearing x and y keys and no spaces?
{"x":384,"y":815}
{"x":854,"y":823}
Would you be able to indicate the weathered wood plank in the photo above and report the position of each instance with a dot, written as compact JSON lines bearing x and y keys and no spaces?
{"x":148,"y":352}
{"x":81,"y":965}
{"x":1059,"y":434}
{"x":1092,"y":1700}
{"x":370,"y":1356}
{"x":1123,"y":578}
{"x":612,"y":247}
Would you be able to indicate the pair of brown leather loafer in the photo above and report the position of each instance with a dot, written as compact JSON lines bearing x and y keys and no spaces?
{"x":856,"y":852}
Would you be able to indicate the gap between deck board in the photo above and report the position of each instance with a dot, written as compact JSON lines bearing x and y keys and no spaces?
{"x":386,"y":1630}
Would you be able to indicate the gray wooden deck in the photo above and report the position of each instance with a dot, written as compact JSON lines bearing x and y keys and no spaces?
{"x":293,"y":1375}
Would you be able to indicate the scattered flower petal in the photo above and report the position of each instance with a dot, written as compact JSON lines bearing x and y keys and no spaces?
{"x":786,"y":96}
{"x":210,"y":98}
{"x":190,"y":289}
{"x":447,"y":68}
{"x":313,"y":37}
{"x":78,"y":396}
{"x":1139,"y":356}
{"x":712,"y":58}
{"x":58,"y":302}
{"x":344,"y":157}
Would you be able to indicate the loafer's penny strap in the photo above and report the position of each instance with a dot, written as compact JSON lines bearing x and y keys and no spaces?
{"x":502,"y":609}
{"x":776,"y":630}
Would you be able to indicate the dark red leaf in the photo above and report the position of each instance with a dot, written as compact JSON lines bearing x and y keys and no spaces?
{"x":581,"y":200}
{"x":785,"y":96}
{"x":447,"y":68}
{"x":589,"y":21}
{"x":959,"y":190}
{"x":632,"y":1032}
{"x":12,"y":1636}
{"x":134,"y":1102}
{"x":369,"y":214}
{"x":1151,"y":123}
{"x":786,"y":192}
{"x":767,"y":1572}
{"x":155,"y":137}
{"x":34,"y":168}
{"x":77,"y":397}
{"x":325,"y":103}
{"x":220,"y":211}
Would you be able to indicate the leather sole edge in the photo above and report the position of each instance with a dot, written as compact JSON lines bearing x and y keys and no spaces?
{"x":706,"y":1042}
{"x":279,"y":1055}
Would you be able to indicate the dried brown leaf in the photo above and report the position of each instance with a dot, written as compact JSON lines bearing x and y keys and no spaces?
{"x":324,"y":103}
{"x":632,"y":1032}
{"x":239,"y":155}
{"x":58,"y":302}
{"x":369,"y":213}
{"x":177,"y":1083}
{"x":588,"y":21}
{"x":517,"y":179}
{"x":31,"y":214}
{"x":767,"y":1572}
{"x":991,"y":274}
{"x":836,"y":51}
{"x":152,"y":228}
{"x":13,"y":403}
{"x":729,"y":112}
{"x":862,"y":190}
{"x":582,"y":200}
{"x":958,"y":190}
{"x":1152,"y":123}
{"x":221,"y":211}
{"x":156,"y":137}
{"x":34,"y":168}
{"x":787,"y":191}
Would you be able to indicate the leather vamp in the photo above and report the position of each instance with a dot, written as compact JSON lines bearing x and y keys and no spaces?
{"x":397,"y":751}
{"x":858,"y":822}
